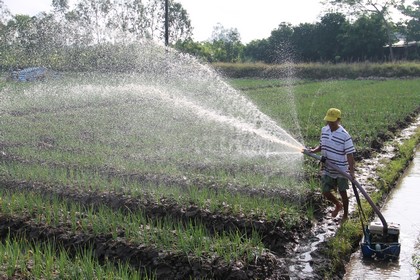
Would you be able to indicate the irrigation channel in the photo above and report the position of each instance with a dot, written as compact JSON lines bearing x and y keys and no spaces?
{"x":401,"y":207}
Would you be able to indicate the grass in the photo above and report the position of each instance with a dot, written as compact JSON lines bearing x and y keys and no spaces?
{"x":416,"y":263}
{"x":21,"y":259}
{"x":165,"y":234}
{"x":246,"y":84}
{"x":58,"y":136}
{"x":369,"y":107}
{"x":391,"y":172}
{"x":116,"y":131}
{"x":222,"y":200}
{"x":324,"y":71}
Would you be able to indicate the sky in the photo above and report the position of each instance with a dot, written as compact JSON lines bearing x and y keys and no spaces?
{"x":254,"y":19}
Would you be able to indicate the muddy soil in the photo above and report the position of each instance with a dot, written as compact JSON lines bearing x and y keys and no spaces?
{"x":276,"y":236}
{"x":281,"y":241}
{"x":166,"y":265}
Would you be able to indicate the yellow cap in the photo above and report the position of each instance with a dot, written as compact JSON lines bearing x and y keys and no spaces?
{"x":332,"y":115}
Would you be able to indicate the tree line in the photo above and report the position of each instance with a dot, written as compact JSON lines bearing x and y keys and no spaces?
{"x":88,"y":32}
{"x":361,"y":32}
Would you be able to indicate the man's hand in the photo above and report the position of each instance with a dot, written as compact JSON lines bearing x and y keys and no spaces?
{"x":315,"y":150}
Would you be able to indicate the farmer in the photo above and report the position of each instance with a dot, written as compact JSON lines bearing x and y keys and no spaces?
{"x":337,"y":146}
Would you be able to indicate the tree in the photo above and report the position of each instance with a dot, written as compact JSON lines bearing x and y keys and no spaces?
{"x":4,"y":44}
{"x":60,"y":5}
{"x":220,"y":33}
{"x":257,"y":51}
{"x":113,"y":21}
{"x":367,"y":7}
{"x":364,"y":39}
{"x":328,"y":32}
{"x":280,"y":42}
{"x":20,"y":34}
{"x":4,"y":12}
{"x":413,"y":24}
{"x":305,"y":42}
{"x":92,"y":18}
{"x":226,"y":44}
{"x":127,"y":21}
{"x":202,"y":50}
{"x":50,"y":40}
{"x":179,"y":22}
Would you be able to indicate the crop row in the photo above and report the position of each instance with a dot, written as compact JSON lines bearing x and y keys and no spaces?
{"x":125,"y":173}
{"x":231,"y":199}
{"x":229,"y":211}
{"x":22,"y":259}
{"x":125,"y":128}
{"x":119,"y":232}
{"x":372,"y":110}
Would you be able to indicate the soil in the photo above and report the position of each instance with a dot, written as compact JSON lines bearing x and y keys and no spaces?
{"x":280,"y":241}
{"x":167,"y":265}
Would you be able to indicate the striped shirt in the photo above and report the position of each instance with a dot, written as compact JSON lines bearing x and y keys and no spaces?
{"x":335,"y":146}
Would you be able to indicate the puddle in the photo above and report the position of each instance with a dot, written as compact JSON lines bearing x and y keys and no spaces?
{"x":301,"y":266}
{"x":401,"y":207}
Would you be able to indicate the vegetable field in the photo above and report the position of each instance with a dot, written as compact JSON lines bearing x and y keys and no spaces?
{"x":85,"y":192}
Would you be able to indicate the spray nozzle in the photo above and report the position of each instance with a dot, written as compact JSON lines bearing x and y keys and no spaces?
{"x":307,"y":152}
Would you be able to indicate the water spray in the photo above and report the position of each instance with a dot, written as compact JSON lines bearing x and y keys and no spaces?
{"x":380,"y":241}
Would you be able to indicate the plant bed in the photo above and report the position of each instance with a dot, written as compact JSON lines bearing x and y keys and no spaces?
{"x":276,"y":235}
{"x":165,"y":265}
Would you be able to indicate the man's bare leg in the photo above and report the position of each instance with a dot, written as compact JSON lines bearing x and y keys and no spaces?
{"x":345,"y":200}
{"x":333,"y":199}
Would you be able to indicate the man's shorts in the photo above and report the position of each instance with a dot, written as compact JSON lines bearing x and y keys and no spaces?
{"x":329,"y":183}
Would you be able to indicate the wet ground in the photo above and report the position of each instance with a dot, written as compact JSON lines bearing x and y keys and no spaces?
{"x":306,"y":262}
{"x":280,"y":240}
{"x":401,"y":207}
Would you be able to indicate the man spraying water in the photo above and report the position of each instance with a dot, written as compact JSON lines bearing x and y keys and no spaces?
{"x":336,"y":145}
